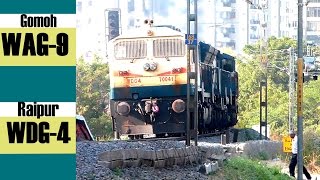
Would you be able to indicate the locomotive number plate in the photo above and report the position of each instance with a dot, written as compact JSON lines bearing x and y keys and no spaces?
{"x":166,"y":79}
{"x":151,"y":81}
{"x":134,"y":81}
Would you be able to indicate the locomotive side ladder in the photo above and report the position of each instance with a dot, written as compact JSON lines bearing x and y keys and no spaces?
{"x":192,"y":74}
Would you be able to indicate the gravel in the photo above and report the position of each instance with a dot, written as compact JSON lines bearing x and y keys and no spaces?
{"x":88,"y":167}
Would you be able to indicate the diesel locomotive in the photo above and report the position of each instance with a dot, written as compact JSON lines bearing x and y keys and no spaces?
{"x":148,"y":84}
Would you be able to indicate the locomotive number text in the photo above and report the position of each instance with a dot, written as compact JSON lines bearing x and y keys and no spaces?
{"x":166,"y":79}
{"x":134,"y":80}
{"x":151,"y":81}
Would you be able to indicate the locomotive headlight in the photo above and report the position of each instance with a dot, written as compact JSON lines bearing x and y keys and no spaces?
{"x":146,"y":67}
{"x":123,"y":108}
{"x":153,"y":66}
{"x":178,"y":106}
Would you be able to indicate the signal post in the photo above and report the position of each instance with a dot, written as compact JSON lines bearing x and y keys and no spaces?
{"x":300,"y":89}
{"x":191,"y":41}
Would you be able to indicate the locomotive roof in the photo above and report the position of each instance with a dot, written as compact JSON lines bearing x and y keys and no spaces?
{"x":142,"y":32}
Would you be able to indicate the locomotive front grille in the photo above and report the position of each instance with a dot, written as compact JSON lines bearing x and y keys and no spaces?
{"x":168,"y":48}
{"x":131,"y":49}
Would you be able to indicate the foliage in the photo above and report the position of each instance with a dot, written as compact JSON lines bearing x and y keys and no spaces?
{"x":262,"y":155}
{"x":117,"y":172}
{"x":92,"y":94}
{"x":311,"y":149}
{"x":101,"y":127}
{"x":92,"y":87}
{"x":251,"y":73}
{"x":243,"y":168}
{"x":312,"y":103}
{"x":278,"y":56}
{"x":249,"y":97}
{"x":316,"y":51}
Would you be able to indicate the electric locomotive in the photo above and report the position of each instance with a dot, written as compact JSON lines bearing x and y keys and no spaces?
{"x":148,"y":84}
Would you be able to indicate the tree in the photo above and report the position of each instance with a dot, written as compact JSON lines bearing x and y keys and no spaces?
{"x":317,"y":51}
{"x":101,"y":127}
{"x":311,"y":106}
{"x":278,"y":57}
{"x":92,"y":87}
{"x":250,"y":74}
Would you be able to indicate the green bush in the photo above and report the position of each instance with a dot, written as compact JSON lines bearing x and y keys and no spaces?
{"x":92,"y":96}
{"x":311,"y":148}
{"x":263,"y":155}
{"x":248,"y":169}
{"x":101,"y":127}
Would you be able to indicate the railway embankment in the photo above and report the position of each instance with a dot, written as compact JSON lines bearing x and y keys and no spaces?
{"x":166,"y":159}
{"x":207,"y":156}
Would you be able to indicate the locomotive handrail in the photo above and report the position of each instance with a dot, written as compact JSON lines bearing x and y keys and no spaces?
{"x":214,"y":67}
{"x":211,"y":65}
{"x":155,"y":99}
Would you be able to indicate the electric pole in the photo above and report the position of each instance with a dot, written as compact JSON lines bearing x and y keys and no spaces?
{"x":188,"y":138}
{"x":300,"y":89}
{"x":264,"y":63}
{"x":192,"y":74}
{"x":292,"y":100}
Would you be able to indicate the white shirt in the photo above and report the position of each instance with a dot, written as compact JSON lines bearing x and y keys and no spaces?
{"x":295,"y":145}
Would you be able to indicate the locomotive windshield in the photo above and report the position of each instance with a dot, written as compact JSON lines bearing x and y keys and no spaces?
{"x":130,"y":49}
{"x":168,"y":48}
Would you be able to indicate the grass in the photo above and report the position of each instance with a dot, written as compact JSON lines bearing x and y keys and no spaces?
{"x":313,"y":162}
{"x":311,"y":149}
{"x":101,"y":128}
{"x":263,"y":155}
{"x":117,"y":172}
{"x":239,"y":168}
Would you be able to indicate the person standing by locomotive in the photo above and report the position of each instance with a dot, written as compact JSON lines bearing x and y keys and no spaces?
{"x":294,"y":158}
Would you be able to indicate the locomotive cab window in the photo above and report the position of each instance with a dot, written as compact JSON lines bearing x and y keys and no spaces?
{"x":130,"y":49}
{"x":168,"y":48}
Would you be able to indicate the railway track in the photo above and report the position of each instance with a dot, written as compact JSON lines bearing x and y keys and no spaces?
{"x":180,"y":138}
